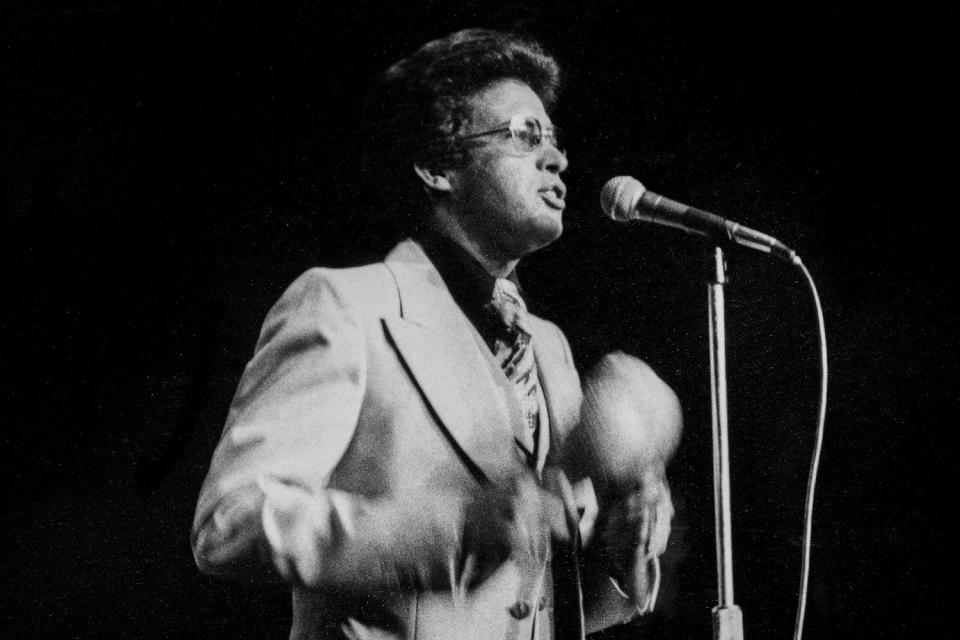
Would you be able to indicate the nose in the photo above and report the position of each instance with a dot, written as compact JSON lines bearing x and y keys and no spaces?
{"x":552,"y":159}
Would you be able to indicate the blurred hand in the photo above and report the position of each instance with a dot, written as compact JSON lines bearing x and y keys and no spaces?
{"x":634,"y":534}
{"x":514,"y":521}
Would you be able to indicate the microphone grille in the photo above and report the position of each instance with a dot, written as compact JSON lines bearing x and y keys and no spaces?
{"x":620,"y":196}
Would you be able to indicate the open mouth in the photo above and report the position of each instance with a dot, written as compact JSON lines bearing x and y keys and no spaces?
{"x":552,"y":199}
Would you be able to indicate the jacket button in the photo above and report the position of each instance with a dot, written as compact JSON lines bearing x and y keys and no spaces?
{"x":520,"y":609}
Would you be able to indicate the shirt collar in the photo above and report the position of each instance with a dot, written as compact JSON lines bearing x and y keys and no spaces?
{"x":470,"y":284}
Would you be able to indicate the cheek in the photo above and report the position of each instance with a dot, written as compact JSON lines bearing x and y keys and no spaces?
{"x":516,"y":183}
{"x":499,"y":185}
{"x":505,"y":187}
{"x":513,"y":191}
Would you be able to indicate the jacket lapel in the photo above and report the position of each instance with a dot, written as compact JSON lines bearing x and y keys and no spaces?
{"x":561,"y":387}
{"x":442,"y":351}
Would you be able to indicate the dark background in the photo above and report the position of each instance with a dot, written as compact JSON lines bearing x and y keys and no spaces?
{"x":168,"y":168}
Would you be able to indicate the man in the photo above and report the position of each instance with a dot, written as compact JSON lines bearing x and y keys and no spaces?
{"x":393,"y":451}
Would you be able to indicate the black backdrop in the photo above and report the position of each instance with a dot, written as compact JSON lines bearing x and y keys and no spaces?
{"x":168,"y":168}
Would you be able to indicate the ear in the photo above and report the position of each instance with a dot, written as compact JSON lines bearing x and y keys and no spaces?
{"x":434,"y":179}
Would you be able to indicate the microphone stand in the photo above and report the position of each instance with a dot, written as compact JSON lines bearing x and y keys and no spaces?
{"x":727,"y":617}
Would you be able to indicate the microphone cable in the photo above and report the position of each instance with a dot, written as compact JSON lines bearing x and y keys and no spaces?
{"x":815,"y":461}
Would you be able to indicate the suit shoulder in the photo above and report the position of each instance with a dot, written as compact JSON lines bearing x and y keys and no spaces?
{"x":368,"y":288}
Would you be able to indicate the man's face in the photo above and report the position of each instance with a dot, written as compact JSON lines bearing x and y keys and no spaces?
{"x":510,"y":203}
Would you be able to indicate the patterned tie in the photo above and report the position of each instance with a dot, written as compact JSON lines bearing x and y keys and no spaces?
{"x":514,"y":352}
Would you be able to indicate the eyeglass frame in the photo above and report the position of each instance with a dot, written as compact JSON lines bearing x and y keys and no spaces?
{"x":518,"y":124}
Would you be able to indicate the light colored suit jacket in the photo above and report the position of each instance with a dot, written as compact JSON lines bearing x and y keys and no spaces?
{"x":370,"y":414}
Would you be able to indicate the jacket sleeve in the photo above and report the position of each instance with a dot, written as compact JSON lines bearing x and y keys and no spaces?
{"x":265,"y":507}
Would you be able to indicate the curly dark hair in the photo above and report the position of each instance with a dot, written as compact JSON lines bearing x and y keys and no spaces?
{"x":417,"y":108}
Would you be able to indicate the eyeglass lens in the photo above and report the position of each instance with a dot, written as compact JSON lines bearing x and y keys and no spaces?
{"x":528,"y":135}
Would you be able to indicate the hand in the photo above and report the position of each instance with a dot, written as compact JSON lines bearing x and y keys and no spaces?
{"x":515,"y":521}
{"x":634,"y":535}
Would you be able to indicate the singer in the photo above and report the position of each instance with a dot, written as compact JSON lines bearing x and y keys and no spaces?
{"x":409,"y":448}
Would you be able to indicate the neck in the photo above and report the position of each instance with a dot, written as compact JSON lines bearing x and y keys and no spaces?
{"x":496,"y":266}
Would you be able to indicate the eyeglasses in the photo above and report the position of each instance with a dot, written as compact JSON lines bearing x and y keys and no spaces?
{"x":526,"y":132}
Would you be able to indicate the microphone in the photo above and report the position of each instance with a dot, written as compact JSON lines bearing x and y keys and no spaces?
{"x":624,"y":199}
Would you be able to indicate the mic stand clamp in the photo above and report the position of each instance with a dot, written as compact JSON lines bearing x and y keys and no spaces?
{"x":727,"y":617}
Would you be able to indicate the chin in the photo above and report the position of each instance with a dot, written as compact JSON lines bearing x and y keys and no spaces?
{"x":545,"y":232}
{"x":551,"y":227}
